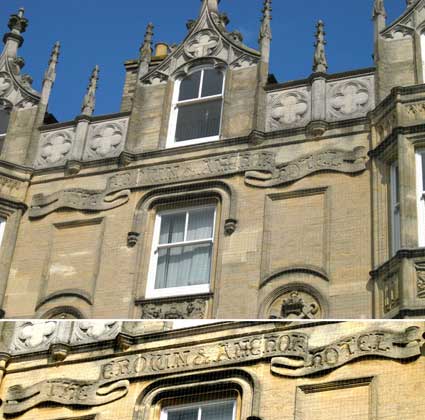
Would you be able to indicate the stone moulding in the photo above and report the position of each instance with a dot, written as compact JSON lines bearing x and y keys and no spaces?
{"x":290,"y":353}
{"x":259,"y":167}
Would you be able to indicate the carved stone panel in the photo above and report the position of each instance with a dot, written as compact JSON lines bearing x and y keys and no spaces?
{"x":296,"y":304}
{"x":55,"y":147}
{"x":390,"y":291}
{"x":420,"y":279}
{"x":92,"y":331}
{"x":187,"y":309}
{"x":288,"y":109}
{"x":202,"y":44}
{"x":105,"y":139}
{"x":34,"y":335}
{"x":349,"y":99}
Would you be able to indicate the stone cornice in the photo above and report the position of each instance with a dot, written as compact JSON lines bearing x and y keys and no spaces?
{"x":308,"y":80}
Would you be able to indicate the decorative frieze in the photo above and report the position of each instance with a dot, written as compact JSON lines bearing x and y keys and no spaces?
{"x":187,"y":309}
{"x":290,"y":353}
{"x":342,"y":99}
{"x":259,"y":167}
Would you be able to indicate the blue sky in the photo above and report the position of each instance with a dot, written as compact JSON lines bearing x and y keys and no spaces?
{"x":108,"y":32}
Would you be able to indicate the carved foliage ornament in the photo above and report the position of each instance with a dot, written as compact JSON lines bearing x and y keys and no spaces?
{"x":189,"y":309}
{"x":290,"y":353}
{"x":391,"y":293}
{"x":202,"y":44}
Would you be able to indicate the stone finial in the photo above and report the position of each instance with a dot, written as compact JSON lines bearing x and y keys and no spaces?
{"x":146,"y":48}
{"x":50,"y":73}
{"x":90,"y":97}
{"x":17,"y":25}
{"x":320,"y":63}
{"x":211,"y":4}
{"x":379,"y":9}
{"x":266,"y":31}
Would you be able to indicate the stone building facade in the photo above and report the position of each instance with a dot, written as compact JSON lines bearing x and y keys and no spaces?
{"x":215,"y":191}
{"x":81,"y":370}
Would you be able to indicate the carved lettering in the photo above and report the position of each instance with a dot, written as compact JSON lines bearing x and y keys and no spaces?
{"x":289,"y":352}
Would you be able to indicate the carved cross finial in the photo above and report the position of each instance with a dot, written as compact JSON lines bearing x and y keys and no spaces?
{"x":90,"y":97}
{"x":266,"y":31}
{"x":146,"y":48}
{"x":320,"y":64}
{"x":379,"y":9}
{"x":18,"y":23}
{"x":50,"y":74}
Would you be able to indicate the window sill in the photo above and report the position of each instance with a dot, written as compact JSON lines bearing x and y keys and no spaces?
{"x":173,"y":144}
{"x":175,"y":298}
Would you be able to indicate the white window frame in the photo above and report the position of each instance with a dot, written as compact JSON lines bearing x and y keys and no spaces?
{"x":395,"y":209}
{"x":2,"y":229}
{"x":151,"y":292}
{"x":176,"y":104}
{"x":164,"y":411}
{"x":422,"y":44}
{"x":420,"y":199}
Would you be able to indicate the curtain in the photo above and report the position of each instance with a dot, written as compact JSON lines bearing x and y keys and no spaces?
{"x":186,"y":265}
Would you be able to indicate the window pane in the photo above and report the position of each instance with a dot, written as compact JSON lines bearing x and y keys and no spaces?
{"x":183,"y":266}
{"x":198,"y":120}
{"x":172,"y":228}
{"x":183,"y":414}
{"x":397,"y":184}
{"x":219,"y":411}
{"x":201,"y":223}
{"x":189,"y":86}
{"x":213,"y":82}
{"x":4,"y":121}
{"x":423,"y":171}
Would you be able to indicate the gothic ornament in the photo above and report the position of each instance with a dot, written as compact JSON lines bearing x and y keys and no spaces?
{"x":55,"y":147}
{"x":288,"y":109}
{"x":420,"y":279}
{"x":391,"y":295}
{"x":106,"y":140}
{"x":296,"y":304}
{"x":34,"y":335}
{"x":5,"y":84}
{"x":85,"y":331}
{"x":188,"y":309}
{"x":349,"y":99}
{"x":203,"y":44}
{"x":320,"y":64}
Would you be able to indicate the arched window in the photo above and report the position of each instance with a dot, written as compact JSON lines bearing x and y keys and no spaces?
{"x":4,"y":121}
{"x":197,"y":108}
